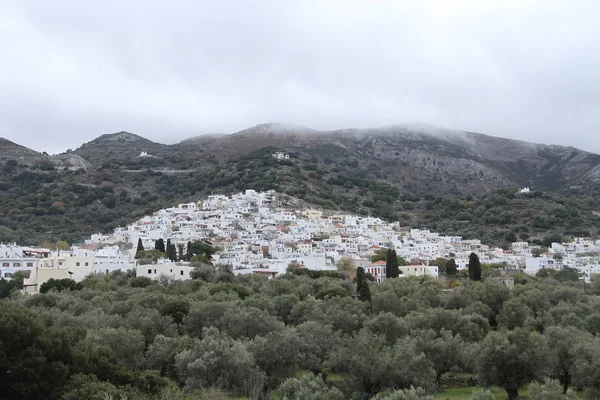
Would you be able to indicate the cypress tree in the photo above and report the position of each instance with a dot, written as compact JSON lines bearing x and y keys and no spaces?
{"x":171,"y":251}
{"x":388,"y":263}
{"x":188,"y":251}
{"x":451,"y":268}
{"x":140,"y":246}
{"x":474,"y":267}
{"x":160,"y":245}
{"x":394,"y":264}
{"x":362,"y":285}
{"x":180,"y":255}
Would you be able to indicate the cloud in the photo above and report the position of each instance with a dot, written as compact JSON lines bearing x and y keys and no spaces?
{"x":73,"y":70}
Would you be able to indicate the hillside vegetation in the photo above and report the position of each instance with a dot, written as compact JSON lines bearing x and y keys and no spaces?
{"x":298,"y":337}
{"x":105,"y":184}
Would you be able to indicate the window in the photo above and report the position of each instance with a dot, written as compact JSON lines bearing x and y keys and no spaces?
{"x":86,"y":264}
{"x":60,"y":263}
{"x":8,"y":274}
{"x":16,"y":264}
{"x":149,"y":271}
{"x":181,"y":272}
{"x":154,"y":271}
{"x":30,"y":264}
{"x":77,"y":264}
{"x":5,"y":264}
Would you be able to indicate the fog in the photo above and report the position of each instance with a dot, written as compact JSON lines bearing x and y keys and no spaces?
{"x":73,"y":70}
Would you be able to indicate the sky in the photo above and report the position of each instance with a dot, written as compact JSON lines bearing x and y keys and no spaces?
{"x":71,"y":70}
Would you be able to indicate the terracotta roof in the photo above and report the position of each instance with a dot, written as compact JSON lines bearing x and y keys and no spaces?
{"x":380,"y":262}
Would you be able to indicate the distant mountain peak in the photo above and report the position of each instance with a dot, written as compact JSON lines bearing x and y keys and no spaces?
{"x":276,"y":128}
{"x":122,"y":136}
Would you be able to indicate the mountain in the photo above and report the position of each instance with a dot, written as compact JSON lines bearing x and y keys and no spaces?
{"x":453,"y":181}
{"x":10,"y":149}
{"x":424,"y":158}
{"x":118,"y":146}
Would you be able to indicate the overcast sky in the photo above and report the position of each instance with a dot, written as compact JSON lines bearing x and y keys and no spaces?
{"x":167,"y":70}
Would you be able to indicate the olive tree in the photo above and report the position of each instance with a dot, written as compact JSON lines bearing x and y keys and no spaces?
{"x":308,"y":387}
{"x":512,"y":359}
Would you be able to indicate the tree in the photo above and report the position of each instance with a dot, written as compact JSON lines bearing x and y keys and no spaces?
{"x":29,"y":349}
{"x":202,"y":250}
{"x":405,"y":394}
{"x":176,"y":309}
{"x":566,"y":344}
{"x":482,"y":394}
{"x":587,"y":369}
{"x":160,"y":245}
{"x":444,"y":351}
{"x":391,"y":264}
{"x":278,"y":354}
{"x":171,"y":251}
{"x":567,"y":274}
{"x":83,"y":386}
{"x":217,"y":360}
{"x":308,"y":387}
{"x":362,"y":285}
{"x":188,"y":251}
{"x":6,"y":288}
{"x":372,"y":365}
{"x":380,"y":255}
{"x":346,"y":266}
{"x":59,"y":285}
{"x":451,"y":268}
{"x":512,"y":359}
{"x":474,"y":267}
{"x":160,"y":355}
{"x":125,"y":345}
{"x":549,"y":390}
{"x":140,"y":246}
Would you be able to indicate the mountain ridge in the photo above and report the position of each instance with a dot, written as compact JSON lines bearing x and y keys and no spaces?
{"x":421,"y":176}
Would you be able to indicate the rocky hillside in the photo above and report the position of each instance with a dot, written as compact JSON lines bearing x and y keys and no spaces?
{"x":426,"y":159}
{"x":424,"y":176}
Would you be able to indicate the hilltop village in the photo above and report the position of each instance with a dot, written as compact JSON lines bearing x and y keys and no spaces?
{"x":265,"y":232}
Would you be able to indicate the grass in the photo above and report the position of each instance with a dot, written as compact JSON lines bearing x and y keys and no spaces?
{"x":465,"y":393}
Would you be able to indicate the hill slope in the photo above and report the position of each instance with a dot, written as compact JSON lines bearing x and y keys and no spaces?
{"x":452,"y":181}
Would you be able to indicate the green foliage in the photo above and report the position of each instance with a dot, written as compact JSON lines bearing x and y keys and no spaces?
{"x":512,"y":359}
{"x":362,"y":285}
{"x":140,"y":246}
{"x":7,"y":288}
{"x":149,"y":256}
{"x":141,"y":282}
{"x":202,"y":250}
{"x":316,"y":274}
{"x":59,"y":285}
{"x":406,"y":394}
{"x":550,"y":390}
{"x":250,"y":337}
{"x":474,"y":267}
{"x":373,"y":365}
{"x":567,"y":274}
{"x":482,"y":394}
{"x":220,"y":361}
{"x":29,"y":348}
{"x":308,"y":387}
{"x":391,"y":264}
{"x":160,"y":245}
{"x":241,"y":290}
